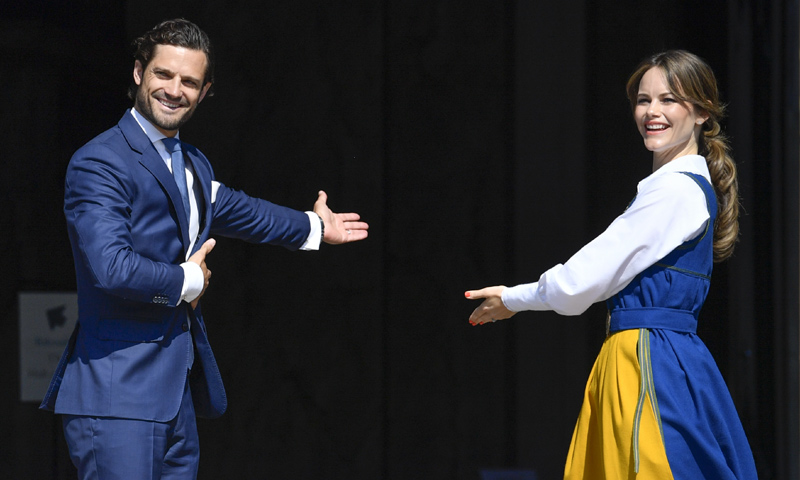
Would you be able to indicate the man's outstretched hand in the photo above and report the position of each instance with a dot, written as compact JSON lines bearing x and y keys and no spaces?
{"x":339,"y":227}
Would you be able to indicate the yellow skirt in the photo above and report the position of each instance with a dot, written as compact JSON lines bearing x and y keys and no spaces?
{"x":603,"y":441}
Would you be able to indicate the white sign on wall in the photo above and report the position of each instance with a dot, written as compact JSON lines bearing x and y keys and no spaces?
{"x":46,"y":321}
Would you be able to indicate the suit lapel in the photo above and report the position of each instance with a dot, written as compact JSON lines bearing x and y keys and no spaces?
{"x":152,"y":161}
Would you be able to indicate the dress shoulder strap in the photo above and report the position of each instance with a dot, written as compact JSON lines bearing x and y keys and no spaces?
{"x":708,"y":191}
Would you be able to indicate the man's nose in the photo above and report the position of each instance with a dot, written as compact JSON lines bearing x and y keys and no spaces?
{"x":173,"y":88}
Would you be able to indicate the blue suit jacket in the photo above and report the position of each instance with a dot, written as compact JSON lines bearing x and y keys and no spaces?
{"x":129,"y":354}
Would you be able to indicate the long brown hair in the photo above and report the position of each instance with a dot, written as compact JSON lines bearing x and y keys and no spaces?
{"x":692,"y":81}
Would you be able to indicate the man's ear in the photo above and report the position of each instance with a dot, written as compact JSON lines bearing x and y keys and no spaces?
{"x":203,"y":93}
{"x":138,"y":72}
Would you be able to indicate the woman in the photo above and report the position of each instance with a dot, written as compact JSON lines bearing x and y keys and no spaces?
{"x":655,"y":404}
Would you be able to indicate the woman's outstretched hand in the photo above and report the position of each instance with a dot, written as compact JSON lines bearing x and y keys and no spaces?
{"x":491,"y":309}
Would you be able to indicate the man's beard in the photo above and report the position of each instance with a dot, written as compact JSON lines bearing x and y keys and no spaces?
{"x":144,"y":106}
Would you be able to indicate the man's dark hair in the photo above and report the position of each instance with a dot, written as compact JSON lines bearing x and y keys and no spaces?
{"x":179,"y":33}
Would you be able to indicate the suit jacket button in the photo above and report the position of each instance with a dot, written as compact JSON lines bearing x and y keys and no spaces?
{"x":185,"y":327}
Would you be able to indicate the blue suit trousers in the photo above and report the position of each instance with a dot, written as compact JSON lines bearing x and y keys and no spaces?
{"x":116,"y":448}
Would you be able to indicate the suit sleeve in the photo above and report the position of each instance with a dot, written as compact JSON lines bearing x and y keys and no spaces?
{"x":98,"y":203}
{"x":254,"y":220}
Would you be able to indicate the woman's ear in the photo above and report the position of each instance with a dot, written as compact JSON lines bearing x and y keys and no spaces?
{"x":703,"y":116}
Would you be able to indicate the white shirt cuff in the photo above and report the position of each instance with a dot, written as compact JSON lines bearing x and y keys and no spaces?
{"x":521,"y":297}
{"x":192,"y":281}
{"x":315,"y":236}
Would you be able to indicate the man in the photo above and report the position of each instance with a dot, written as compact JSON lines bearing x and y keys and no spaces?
{"x":138,"y":366}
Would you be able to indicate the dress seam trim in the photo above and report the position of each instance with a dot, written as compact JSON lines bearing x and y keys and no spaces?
{"x":647,"y":388}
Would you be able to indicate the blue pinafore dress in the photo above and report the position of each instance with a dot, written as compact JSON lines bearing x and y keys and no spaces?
{"x":656,"y":405}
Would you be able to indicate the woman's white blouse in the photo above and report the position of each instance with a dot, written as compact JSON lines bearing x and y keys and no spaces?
{"x":670,"y":208}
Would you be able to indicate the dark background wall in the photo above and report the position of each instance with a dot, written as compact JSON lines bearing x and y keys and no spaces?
{"x":484,"y":141}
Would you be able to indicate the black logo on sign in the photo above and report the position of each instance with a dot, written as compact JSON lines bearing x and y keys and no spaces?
{"x":55,"y":317}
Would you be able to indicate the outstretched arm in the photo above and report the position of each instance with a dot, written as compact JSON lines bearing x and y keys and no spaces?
{"x":492,"y":307}
{"x":339,"y":227}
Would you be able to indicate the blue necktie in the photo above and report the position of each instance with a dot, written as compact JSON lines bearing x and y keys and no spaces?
{"x":173,"y":146}
{"x":179,"y":171}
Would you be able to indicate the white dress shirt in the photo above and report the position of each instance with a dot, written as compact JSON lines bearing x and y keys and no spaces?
{"x":193,"y":279}
{"x":670,"y":209}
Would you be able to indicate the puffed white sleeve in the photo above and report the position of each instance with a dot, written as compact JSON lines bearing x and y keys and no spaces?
{"x":669,"y":211}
